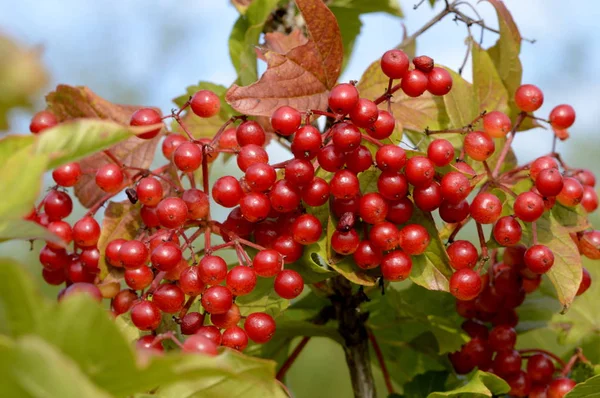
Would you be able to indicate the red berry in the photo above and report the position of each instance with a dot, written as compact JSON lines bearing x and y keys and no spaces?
{"x":414,"y":83}
{"x":146,"y":117}
{"x":502,"y":337}
{"x":343,"y":98}
{"x":172,"y":212}
{"x":267,"y":263}
{"x":529,"y":98}
{"x":250,"y":132}
{"x":586,"y":177}
{"x":392,"y":185}
{"x":307,"y":229}
{"x":190,"y":281}
{"x":228,"y":319}
{"x":217,"y":299}
{"x":67,"y":175}
{"x":255,"y":206}
{"x":419,"y":171}
{"x":169,"y":298}
{"x":212,"y":333}
{"x":586,"y":281}
{"x":559,"y":387}
{"x":414,"y":239}
{"x":330,"y":158}
{"x":589,"y":201}
{"x":284,"y":196}
{"x":213,"y":270}
{"x":497,"y":124}
{"x":540,"y":368}
{"x":440,"y":152}
{"x":345,"y":243}
{"x":145,"y":315}
{"x":200,"y":345}
{"x":383,"y":126}
{"x":390,"y":157}
{"x":197,"y":204}
{"x":400,"y":211}
{"x":241,"y":280}
{"x":394,"y":64}
{"x":285,"y":120}
{"x":429,"y":198}
{"x":528,"y":206}
{"x":166,"y":256}
{"x":109,"y":178}
{"x":455,"y":187}
{"x":138,"y":278}
{"x":346,"y":137}
{"x":462,"y":254}
{"x":260,"y":327}
{"x":41,"y":121}
{"x":571,"y":193}
{"x":486,"y":208}
{"x":227,"y":191}
{"x":439,"y":81}
{"x":188,"y":157}
{"x":373,"y":208}
{"x":465,"y":284}
{"x":479,"y":145}
{"x":288,"y":284}
{"x":171,"y":143}
{"x":192,"y":322}
{"x":54,"y":259}
{"x":359,"y":159}
{"x":364,"y":113}
{"x":562,"y":116}
{"x":288,"y":248}
{"x":236,"y":338}
{"x":299,"y":172}
{"x":541,"y":163}
{"x":205,"y":103}
{"x":86,"y":232}
{"x":452,"y":213}
{"x":316,"y":193}
{"x":251,"y":154}
{"x":423,"y":63}
{"x":149,"y":191}
{"x":367,"y":256}
{"x":57,"y":205}
{"x":133,"y":254}
{"x":507,"y":231}
{"x":63,"y":231}
{"x":549,"y":182}
{"x":307,"y":142}
{"x":396,"y":266}
{"x":520,"y":385}
{"x":384,"y":236}
{"x":539,"y":259}
{"x":344,"y":185}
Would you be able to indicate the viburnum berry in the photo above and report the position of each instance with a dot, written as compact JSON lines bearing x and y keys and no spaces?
{"x":549,"y":182}
{"x":86,"y":232}
{"x":260,"y":327}
{"x":228,"y":319}
{"x":496,"y":124}
{"x":539,"y":259}
{"x":145,"y":315}
{"x":330,"y":158}
{"x":586,"y":177}
{"x":205,"y":103}
{"x":149,"y":191}
{"x":149,"y":343}
{"x":455,"y":187}
{"x":344,"y":185}
{"x":197,"y":204}
{"x":267,"y":263}
{"x":462,"y":254}
{"x":77,"y":288}
{"x":168,"y":298}
{"x":571,"y":193}
{"x":251,"y":154}
{"x":170,"y":144}
{"x":123,"y":301}
{"x":364,"y":113}
{"x":423,"y":63}
{"x":419,"y":171}
{"x":390,"y":157}
{"x":414,"y":83}
{"x":316,"y":193}
{"x":519,"y":383}
{"x":507,"y":231}
{"x":384,"y":235}
{"x":299,"y":172}
{"x":541,"y":163}
{"x":288,"y":284}
{"x":307,"y":229}
{"x":190,"y":281}
{"x":133,"y":254}
{"x":414,"y":239}
{"x":235,"y":338}
{"x":192,"y":322}
{"x":241,"y":280}
{"x":440,"y":152}
{"x":57,"y":205}
{"x":486,"y":208}
{"x":392,"y":185}
{"x":400,"y":211}
{"x":429,"y":198}
{"x":528,"y":206}
{"x":284,"y":196}
{"x":41,"y":121}
{"x":475,"y":329}
{"x":307,"y":142}
{"x":465,"y":284}
{"x":439,"y":81}
{"x":346,"y":137}
{"x":210,"y":332}
{"x":562,"y":116}
{"x":90,"y":257}
{"x":502,"y":337}
{"x":396,"y":266}
{"x":67,"y":175}
{"x":63,"y":231}
{"x":138,"y":278}
{"x":345,"y":242}
{"x":285,"y":120}
{"x":529,"y":98}
{"x":227,"y":191}
{"x":359,"y":159}
{"x":383,"y":126}
{"x":394,"y":64}
{"x":559,"y":387}
{"x":213,"y":270}
{"x":217,"y":299}
{"x":149,"y":217}
{"x":255,"y":206}
{"x":146,"y":117}
{"x":250,"y":132}
{"x":188,"y":157}
{"x":586,"y":281}
{"x":109,"y":178}
{"x":172,"y":212}
{"x":199,"y":344}
{"x":367,"y":256}
{"x":53,"y":259}
{"x":540,"y":368}
{"x":479,"y":145}
{"x":452,"y":213}
{"x":342,"y":98}
{"x":589,"y":201}
{"x":373,"y":208}
{"x":166,"y":256}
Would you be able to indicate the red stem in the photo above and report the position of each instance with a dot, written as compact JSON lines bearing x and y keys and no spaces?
{"x":380,"y":359}
{"x":292,"y":358}
{"x":484,"y":249}
{"x":508,"y":143}
{"x":540,"y":351}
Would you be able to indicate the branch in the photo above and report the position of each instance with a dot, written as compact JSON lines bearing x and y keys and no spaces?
{"x":380,"y":359}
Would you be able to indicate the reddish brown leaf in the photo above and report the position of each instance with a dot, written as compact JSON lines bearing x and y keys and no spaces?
{"x":80,"y":102}
{"x":282,"y":43}
{"x":302,"y":77}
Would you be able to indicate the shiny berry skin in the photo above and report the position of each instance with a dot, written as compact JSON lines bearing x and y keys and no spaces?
{"x":41,"y":121}
{"x":299,"y":172}
{"x":461,"y":363}
{"x":475,"y":329}
{"x":439,"y":81}
{"x":462,"y":254}
{"x":519,"y":383}
{"x":149,"y":191}
{"x":507,"y":231}
{"x":235,"y":338}
{"x":168,"y":298}
{"x":414,"y":239}
{"x":228,"y":319}
{"x":452,"y":213}
{"x":192,"y":322}
{"x":330,"y":158}
{"x":205,"y":103}
{"x":502,"y":337}
{"x":198,"y":344}
{"x":288,"y":284}
{"x":133,"y":254}
{"x":52,"y":259}
{"x":288,"y":248}
{"x":90,"y":257}
{"x":507,"y":362}
{"x":217,"y":299}
{"x":455,"y":187}
{"x":390,"y":157}
{"x":383,"y":126}
{"x":562,"y":116}
{"x":373,"y":208}
{"x":346,"y":137}
{"x":414,"y":83}
{"x":250,"y":132}
{"x":589,"y":201}
{"x":267,"y":263}
{"x":559,"y":387}
{"x":344,"y":185}
{"x":364,"y":113}
{"x":392,"y":185}
{"x":123,"y":301}
{"x":145,"y":315}
{"x":307,"y":142}
{"x":197,"y":204}
{"x":586,"y":281}
{"x":419,"y":171}
{"x":166,"y":256}
{"x":188,"y":157}
{"x":396,"y":266}
{"x":539,"y":259}
{"x":284,"y":196}
{"x":540,"y":368}
{"x":359,"y":159}
{"x":571,"y":193}
{"x":146,"y":117}
{"x":586,"y":177}
{"x":367,"y":256}
{"x":486,"y":208}
{"x":394,"y":63}
{"x":86,"y":232}
{"x":440,"y":152}
{"x":190,"y":281}
{"x":138,"y":278}
{"x":149,"y":217}
{"x":213,"y":270}
{"x":497,"y":124}
{"x":62,"y":230}
{"x":255,"y":206}
{"x":210,"y":332}
{"x":285,"y":120}
{"x":307,"y":229}
{"x":316,"y":193}
{"x":170,"y":144}
{"x":529,"y":98}
{"x":589,"y":244}
{"x":345,"y":243}
{"x":227,"y":191}
{"x":260,"y":327}
{"x":479,"y":145}
{"x":541,"y":163}
{"x":146,"y":343}
{"x":384,"y":236}
{"x":67,"y":175}
{"x":528,"y":206}
{"x":549,"y":182}
{"x":109,"y":178}
{"x":172,"y":212}
{"x":465,"y":284}
{"x":342,"y":98}
{"x":429,"y":198}
{"x":251,"y":154}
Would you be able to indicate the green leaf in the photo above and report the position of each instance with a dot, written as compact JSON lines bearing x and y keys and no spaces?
{"x":574,"y":219}
{"x":262,"y":299}
{"x":26,"y":230}
{"x":432,"y":268}
{"x":12,"y":144}
{"x":33,"y":368}
{"x":20,"y":189}
{"x":587,"y":389}
{"x":460,"y":102}
{"x":391,"y":7}
{"x":480,"y":384}
{"x":424,"y":384}
{"x":488,"y":86}
{"x":127,"y":328}
{"x":20,"y":306}
{"x":566,"y":272}
{"x":244,"y":37}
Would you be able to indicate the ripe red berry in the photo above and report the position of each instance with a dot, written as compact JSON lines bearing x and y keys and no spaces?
{"x":392,"y":185}
{"x":168,"y":298}
{"x":284,"y":196}
{"x":396,"y":266}
{"x":331,"y":158}
{"x":235,"y":338}
{"x":414,"y":239}
{"x":440,"y":152}
{"x":285,"y":120}
{"x":423,"y":63}
{"x":307,"y":142}
{"x":502,"y":337}
{"x":497,"y":124}
{"x":589,"y":201}
{"x":586,"y":281}
{"x":267,"y":263}
{"x":520,"y":385}
{"x":359,"y":159}
{"x":251,"y":154}
{"x":260,"y":327}
{"x":439,"y":81}
{"x":346,"y":137}
{"x":539,"y":259}
{"x":190,"y":281}
{"x":205,"y":103}
{"x":146,"y":117}
{"x":228,"y":319}
{"x":345,"y":242}
{"x":123,"y":301}
{"x":414,"y":83}
{"x":149,"y":191}
{"x":549,"y":182}
{"x":529,"y":98}
{"x":465,"y":284}
{"x":213,"y":270}
{"x":384,"y":236}
{"x":172,"y":212}
{"x":86,"y":232}
{"x":255,"y":206}
{"x":364,"y":113}
{"x":394,"y":64}
{"x":145,"y":315}
{"x":344,"y":184}
{"x":316,"y":193}
{"x":419,"y":171}
{"x":383,"y":126}
{"x":138,"y":278}
{"x":299,"y":172}
{"x":217,"y":299}
{"x":486,"y":208}
{"x":343,"y":98}
{"x":507,"y":231}
{"x":528,"y":206}
{"x":170,"y":144}
{"x":373,"y":208}
{"x":559,"y":387}
{"x":429,"y":198}
{"x":307,"y":229}
{"x":109,"y":178}
{"x":250,"y":132}
{"x":197,"y":204}
{"x":400,"y":211}
{"x":288,"y":284}
{"x":192,"y":322}
{"x":452,"y":213}
{"x":241,"y":280}
{"x":562,"y":116}
{"x":367,"y":256}
{"x":540,"y":368}
{"x":199,"y":344}
{"x":67,"y":175}
{"x":227,"y":191}
{"x":475,"y":329}
{"x":571,"y":193}
{"x":586,"y":177}
{"x":541,"y":163}
{"x":41,"y":121}
{"x":133,"y":254}
{"x":62,"y":230}
{"x":166,"y":256}
{"x":390,"y":157}
{"x":479,"y":145}
{"x":455,"y":187}
{"x":462,"y":254}
{"x":54,"y":259}
{"x":188,"y":157}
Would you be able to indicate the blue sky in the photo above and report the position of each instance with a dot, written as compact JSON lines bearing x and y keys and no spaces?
{"x":147,"y":52}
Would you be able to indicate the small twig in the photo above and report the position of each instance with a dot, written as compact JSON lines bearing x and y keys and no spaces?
{"x":508,"y":143}
{"x":534,"y":234}
{"x":381,"y":361}
{"x":292,"y":358}
{"x":484,"y":249}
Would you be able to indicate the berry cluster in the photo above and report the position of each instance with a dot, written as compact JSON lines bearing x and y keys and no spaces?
{"x":272,"y":217}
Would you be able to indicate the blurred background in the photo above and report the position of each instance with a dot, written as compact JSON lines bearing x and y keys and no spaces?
{"x":147,"y":52}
